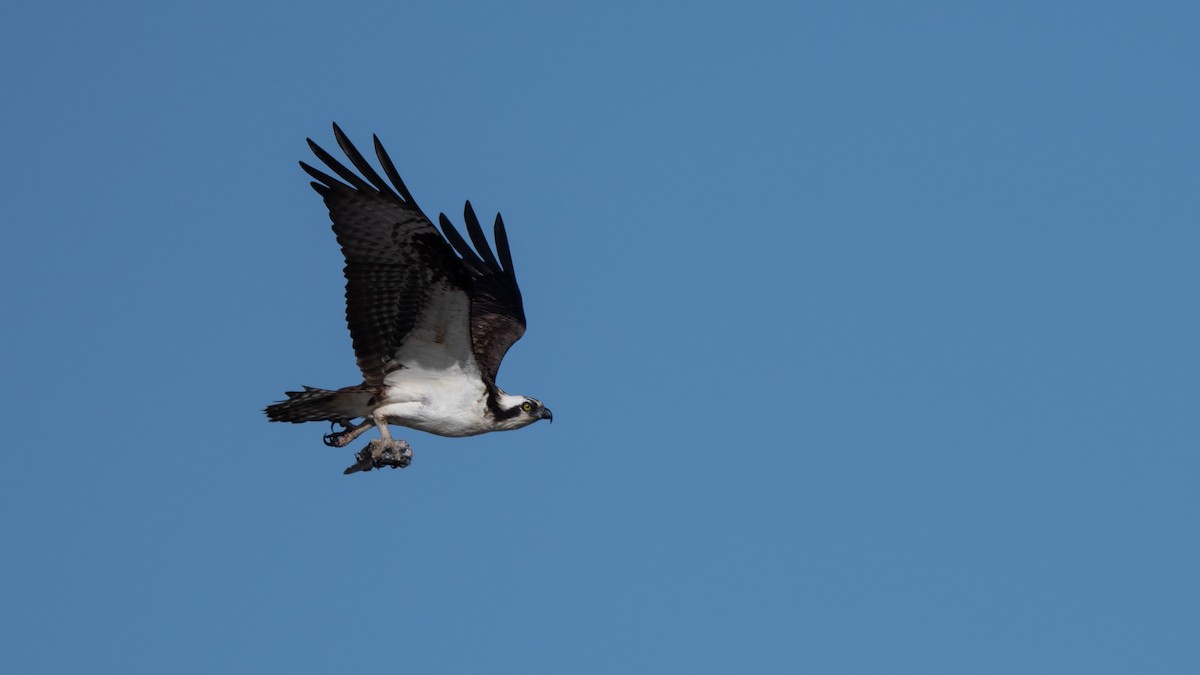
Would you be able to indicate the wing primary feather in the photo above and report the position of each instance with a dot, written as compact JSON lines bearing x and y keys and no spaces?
{"x":480,"y":241}
{"x":390,"y":170}
{"x":321,"y":176}
{"x":346,"y":174}
{"x":468,"y":256}
{"x":364,"y":167}
{"x":502,"y":248}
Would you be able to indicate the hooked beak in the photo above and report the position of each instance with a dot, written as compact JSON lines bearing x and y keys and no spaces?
{"x":546,"y":415}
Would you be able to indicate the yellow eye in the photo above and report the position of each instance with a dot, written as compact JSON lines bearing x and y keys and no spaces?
{"x":526,"y":406}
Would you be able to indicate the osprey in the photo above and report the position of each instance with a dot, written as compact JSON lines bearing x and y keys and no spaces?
{"x":430,"y":318}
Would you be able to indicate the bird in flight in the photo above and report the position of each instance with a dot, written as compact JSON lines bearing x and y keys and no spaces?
{"x":430,"y":318}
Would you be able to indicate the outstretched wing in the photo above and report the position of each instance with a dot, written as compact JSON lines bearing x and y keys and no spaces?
{"x":396,"y":261}
{"x":497,"y":313}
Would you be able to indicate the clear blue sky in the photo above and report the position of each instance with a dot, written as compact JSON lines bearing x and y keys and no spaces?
{"x":870,"y":330}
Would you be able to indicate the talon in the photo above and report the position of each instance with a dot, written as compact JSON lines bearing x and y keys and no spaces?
{"x":396,"y":454}
{"x":334,"y":438}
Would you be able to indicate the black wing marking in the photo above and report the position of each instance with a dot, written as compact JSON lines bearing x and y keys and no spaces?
{"x":497,"y":312}
{"x":393,"y":254}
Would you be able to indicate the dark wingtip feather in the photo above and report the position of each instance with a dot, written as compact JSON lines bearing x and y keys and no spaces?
{"x":319,"y":175}
{"x":364,"y":167}
{"x":341,"y":170}
{"x":464,"y":250}
{"x":502,"y":247}
{"x":476,"y":231}
{"x":390,"y":169}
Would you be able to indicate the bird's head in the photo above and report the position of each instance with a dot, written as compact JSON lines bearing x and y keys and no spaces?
{"x":520,"y":411}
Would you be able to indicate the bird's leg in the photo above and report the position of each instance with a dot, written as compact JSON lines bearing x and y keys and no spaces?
{"x":341,"y":438}
{"x":382,"y":451}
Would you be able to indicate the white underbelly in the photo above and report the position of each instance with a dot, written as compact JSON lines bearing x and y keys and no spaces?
{"x":450,"y":402}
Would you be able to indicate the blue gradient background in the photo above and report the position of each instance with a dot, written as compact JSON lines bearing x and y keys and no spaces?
{"x":870,"y":330}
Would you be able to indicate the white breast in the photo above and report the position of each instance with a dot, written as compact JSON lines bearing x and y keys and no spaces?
{"x":450,"y":402}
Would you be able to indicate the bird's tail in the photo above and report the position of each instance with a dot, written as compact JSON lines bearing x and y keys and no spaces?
{"x":320,"y":405}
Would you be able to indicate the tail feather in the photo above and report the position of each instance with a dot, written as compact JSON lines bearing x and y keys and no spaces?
{"x":319,"y":405}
